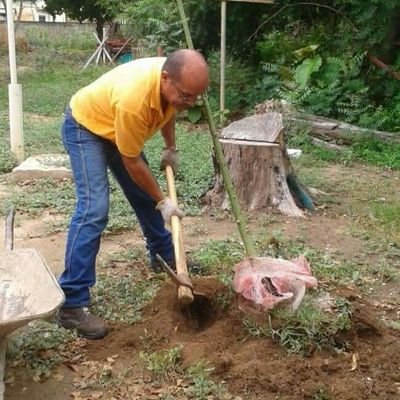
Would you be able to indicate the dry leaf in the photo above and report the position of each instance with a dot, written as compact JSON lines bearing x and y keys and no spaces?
{"x":76,"y":358}
{"x":156,"y":390}
{"x":74,"y":367}
{"x":58,"y":377}
{"x":10,"y":380}
{"x":97,"y":395}
{"x":354,"y":361}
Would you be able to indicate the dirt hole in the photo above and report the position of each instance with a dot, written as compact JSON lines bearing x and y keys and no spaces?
{"x":200,"y":314}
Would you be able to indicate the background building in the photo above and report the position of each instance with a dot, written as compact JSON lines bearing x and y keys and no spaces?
{"x":32,"y":11}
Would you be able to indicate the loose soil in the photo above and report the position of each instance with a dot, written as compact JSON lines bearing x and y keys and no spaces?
{"x":251,"y":368}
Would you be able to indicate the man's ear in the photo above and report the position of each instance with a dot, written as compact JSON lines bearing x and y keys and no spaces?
{"x":164,"y":76}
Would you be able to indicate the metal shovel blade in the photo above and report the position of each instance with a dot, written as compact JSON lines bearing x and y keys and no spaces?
{"x":179,"y":279}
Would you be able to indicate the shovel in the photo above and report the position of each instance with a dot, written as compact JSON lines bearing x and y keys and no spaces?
{"x":186,"y":294}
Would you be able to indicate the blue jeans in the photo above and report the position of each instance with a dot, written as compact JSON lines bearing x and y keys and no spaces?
{"x":90,"y":157}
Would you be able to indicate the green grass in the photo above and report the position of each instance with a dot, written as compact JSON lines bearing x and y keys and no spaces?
{"x":41,"y":195}
{"x":42,"y":136}
{"x":395,"y":325}
{"x":377,"y":153}
{"x":124,"y":256}
{"x":164,"y":364}
{"x":217,"y":257}
{"x":39,"y":346}
{"x":121,"y":298}
{"x":308,"y":329}
{"x":367,"y":150}
{"x":387,"y":215}
{"x":49,"y":92}
{"x":69,"y":41}
{"x":202,"y":386}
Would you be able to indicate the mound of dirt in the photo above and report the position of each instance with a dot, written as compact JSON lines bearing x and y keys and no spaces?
{"x":258,"y":368}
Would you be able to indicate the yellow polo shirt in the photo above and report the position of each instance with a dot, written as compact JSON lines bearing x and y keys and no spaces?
{"x":124,"y":105}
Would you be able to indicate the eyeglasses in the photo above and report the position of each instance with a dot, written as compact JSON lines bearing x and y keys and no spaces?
{"x":185,"y":97}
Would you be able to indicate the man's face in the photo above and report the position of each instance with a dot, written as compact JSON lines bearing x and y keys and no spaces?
{"x":180,"y":95}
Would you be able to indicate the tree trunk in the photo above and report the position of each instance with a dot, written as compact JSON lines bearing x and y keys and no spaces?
{"x":256,"y":155}
{"x":99,"y":28}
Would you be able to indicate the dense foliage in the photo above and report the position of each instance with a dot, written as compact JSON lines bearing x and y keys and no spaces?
{"x":81,"y":10}
{"x":317,"y":55}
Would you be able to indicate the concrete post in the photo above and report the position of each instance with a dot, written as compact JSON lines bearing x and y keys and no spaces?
{"x":16,"y":123}
{"x":14,"y":92}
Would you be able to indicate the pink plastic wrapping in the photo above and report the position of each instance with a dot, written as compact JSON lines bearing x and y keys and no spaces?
{"x":267,"y":281}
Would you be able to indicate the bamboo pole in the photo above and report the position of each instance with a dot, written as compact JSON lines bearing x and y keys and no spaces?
{"x":237,"y":212}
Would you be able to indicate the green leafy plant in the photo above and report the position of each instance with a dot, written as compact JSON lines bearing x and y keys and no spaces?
{"x":239,"y":76}
{"x":202,"y":387}
{"x":7,"y":159}
{"x":304,"y":71}
{"x":321,"y":394}
{"x":194,"y":114}
{"x":163,"y":364}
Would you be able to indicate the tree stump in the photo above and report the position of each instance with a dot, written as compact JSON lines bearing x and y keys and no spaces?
{"x":258,"y":163}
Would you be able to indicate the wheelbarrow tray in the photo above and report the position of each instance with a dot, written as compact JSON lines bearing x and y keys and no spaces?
{"x":28,"y":289}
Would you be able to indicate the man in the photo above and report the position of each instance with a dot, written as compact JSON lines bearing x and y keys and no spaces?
{"x":106,"y":126}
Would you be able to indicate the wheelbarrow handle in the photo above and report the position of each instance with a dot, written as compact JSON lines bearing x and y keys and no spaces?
{"x":9,"y":236}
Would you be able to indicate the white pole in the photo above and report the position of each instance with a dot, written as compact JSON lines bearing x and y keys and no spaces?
{"x":223,"y":52}
{"x":14,"y":92}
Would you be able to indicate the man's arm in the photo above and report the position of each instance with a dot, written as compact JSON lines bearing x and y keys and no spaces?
{"x":143,"y":177}
{"x":168,"y":132}
{"x":170,"y":153}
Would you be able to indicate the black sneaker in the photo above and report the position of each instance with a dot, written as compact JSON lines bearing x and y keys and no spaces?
{"x":86,"y":324}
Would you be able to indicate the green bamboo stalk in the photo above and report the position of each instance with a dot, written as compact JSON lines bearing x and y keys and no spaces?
{"x":236,"y":210}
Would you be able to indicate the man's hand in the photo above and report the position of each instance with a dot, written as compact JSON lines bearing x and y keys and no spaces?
{"x":167,"y":209}
{"x":170,"y":157}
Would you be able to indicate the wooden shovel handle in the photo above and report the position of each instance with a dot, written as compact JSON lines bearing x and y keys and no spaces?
{"x":185,"y":294}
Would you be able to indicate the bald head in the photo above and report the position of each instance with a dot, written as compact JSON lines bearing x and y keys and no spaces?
{"x":180,"y":61}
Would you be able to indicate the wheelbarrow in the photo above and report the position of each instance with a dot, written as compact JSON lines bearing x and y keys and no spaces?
{"x":28,"y":291}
